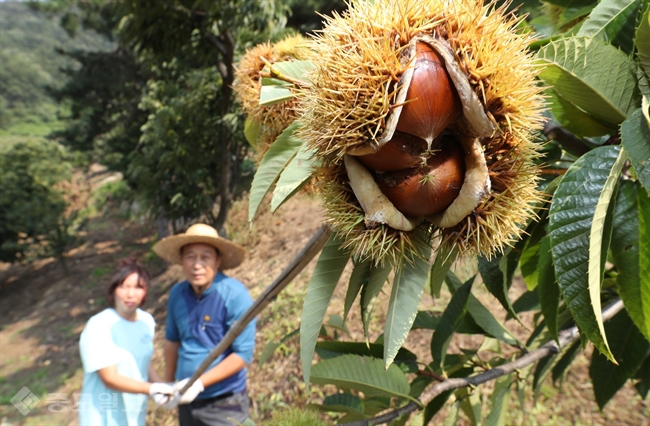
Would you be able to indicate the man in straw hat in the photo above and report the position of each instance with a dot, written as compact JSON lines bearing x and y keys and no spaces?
{"x":200,"y":311}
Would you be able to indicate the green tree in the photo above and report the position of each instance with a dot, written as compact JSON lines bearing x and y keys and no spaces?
{"x":32,"y":210}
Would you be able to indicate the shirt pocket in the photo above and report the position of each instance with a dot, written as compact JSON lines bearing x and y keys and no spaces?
{"x":212,"y":332}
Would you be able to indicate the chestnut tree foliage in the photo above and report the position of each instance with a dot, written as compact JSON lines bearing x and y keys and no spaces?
{"x":589,"y":248}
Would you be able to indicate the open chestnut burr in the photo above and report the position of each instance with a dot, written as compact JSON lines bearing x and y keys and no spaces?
{"x":419,"y":176}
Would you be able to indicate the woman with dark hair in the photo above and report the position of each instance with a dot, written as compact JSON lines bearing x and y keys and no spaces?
{"x":116,"y":349}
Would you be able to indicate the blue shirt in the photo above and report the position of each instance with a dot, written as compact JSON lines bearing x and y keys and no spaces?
{"x":108,"y":339}
{"x":199,"y":324}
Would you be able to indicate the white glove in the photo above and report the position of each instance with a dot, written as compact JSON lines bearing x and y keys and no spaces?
{"x":187,"y":397}
{"x":191,"y":394}
{"x":161,"y":392}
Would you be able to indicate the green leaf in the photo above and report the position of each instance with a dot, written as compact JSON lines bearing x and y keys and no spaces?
{"x":296,"y":174}
{"x":482,"y":316}
{"x":341,"y":403}
{"x":574,"y":119}
{"x":642,"y":40}
{"x":542,"y":370}
{"x":323,"y":281}
{"x":548,"y":290}
{"x":635,"y":136}
{"x":565,"y":360}
{"x":358,"y":278}
{"x":593,"y":75}
{"x":471,"y":404}
{"x":329,"y":349}
{"x":445,"y":258}
{"x":425,"y":320}
{"x":500,"y":399}
{"x":496,"y":281}
{"x":629,"y":348}
{"x":644,"y":256}
{"x":625,"y":251}
{"x":452,"y":414}
{"x":364,"y":374}
{"x":370,"y":292}
{"x":643,"y":375}
{"x":252,"y":130}
{"x":613,"y":21}
{"x":274,"y":161}
{"x":571,"y":219}
{"x":270,"y":95}
{"x":294,"y":69}
{"x":408,"y":286}
{"x":270,"y":347}
{"x":449,"y":322}
{"x":600,"y":236}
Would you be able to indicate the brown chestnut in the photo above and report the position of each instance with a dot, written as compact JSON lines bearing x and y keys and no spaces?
{"x":429,"y":189}
{"x":432,"y":102}
{"x":403,"y":151}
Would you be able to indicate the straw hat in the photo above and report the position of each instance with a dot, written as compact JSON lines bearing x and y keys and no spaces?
{"x":169,"y":248}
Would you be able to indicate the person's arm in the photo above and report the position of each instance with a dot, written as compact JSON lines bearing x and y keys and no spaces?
{"x":153,"y":375}
{"x":113,"y":380}
{"x":229,"y":366}
{"x":171,"y":358}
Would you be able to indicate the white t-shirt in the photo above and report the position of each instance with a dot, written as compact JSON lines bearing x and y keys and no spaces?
{"x":108,"y":339}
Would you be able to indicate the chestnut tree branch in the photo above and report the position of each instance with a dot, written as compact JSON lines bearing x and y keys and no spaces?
{"x":313,"y":247}
{"x":566,"y":337}
{"x":553,"y":131}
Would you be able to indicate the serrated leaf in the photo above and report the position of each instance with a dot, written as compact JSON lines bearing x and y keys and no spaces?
{"x":496,"y":281}
{"x":252,"y":130}
{"x":274,"y":161}
{"x":593,"y":75}
{"x":500,"y":399}
{"x":528,"y":301}
{"x":642,"y":39}
{"x":625,"y":251}
{"x":370,"y":292}
{"x":449,"y":322}
{"x":274,"y":94}
{"x":613,"y":21}
{"x":341,"y":403}
{"x":570,"y":224}
{"x":644,"y":254}
{"x":548,"y":290}
{"x":327,"y":273}
{"x":364,"y":374}
{"x":574,"y":119}
{"x":295,"y":175}
{"x":635,"y":137}
{"x":629,"y":348}
{"x":445,"y":258}
{"x":599,"y":237}
{"x":358,"y":278}
{"x":405,"y":296}
{"x":481,"y":316}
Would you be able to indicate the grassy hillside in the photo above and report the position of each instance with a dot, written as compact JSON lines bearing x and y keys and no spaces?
{"x":30,"y":65}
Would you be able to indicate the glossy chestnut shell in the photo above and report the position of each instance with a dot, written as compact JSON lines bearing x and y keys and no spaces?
{"x":404,"y":151}
{"x":432,"y":101}
{"x":428,"y":189}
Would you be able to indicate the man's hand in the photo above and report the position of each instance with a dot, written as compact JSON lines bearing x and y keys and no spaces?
{"x":189,"y":396}
{"x":161,"y":392}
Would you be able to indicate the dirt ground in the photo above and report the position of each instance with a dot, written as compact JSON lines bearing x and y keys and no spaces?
{"x":43,"y":311}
